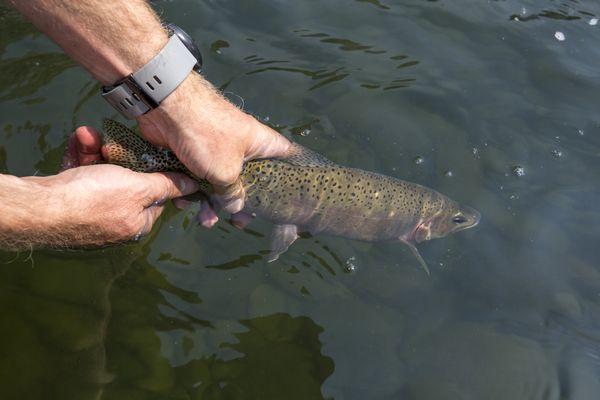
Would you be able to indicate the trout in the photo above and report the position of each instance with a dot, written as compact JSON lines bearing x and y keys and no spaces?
{"x":306,"y":192}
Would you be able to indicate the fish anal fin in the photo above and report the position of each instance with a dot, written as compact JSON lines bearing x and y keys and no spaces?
{"x":281,"y":239}
{"x":416,"y":253}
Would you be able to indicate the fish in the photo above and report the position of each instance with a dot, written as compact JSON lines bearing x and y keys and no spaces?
{"x":306,"y":192}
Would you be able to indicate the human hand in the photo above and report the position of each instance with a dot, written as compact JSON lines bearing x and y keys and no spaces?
{"x":85,"y":148}
{"x":211,"y":137}
{"x":87,"y":205}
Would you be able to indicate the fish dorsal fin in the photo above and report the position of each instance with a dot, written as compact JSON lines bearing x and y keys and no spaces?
{"x":302,"y":157}
{"x":281,"y":238}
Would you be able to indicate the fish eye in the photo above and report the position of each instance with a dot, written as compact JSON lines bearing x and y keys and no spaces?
{"x":459,"y":219}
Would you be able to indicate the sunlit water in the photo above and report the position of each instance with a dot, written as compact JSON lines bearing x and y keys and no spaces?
{"x":494,"y":103}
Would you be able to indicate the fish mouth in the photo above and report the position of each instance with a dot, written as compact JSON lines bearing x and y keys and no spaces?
{"x":473,"y":217}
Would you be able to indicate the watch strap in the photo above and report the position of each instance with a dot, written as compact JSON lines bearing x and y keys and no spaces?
{"x":161,"y":75}
{"x":145,"y":89}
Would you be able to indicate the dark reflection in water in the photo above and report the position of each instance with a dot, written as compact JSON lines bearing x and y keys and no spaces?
{"x":53,"y":333}
{"x":102,"y":337}
{"x":565,"y":11}
{"x":333,"y":74}
{"x":277,"y":356}
{"x":12,"y":27}
{"x":243,"y":261}
{"x":376,"y":3}
{"x":23,"y":76}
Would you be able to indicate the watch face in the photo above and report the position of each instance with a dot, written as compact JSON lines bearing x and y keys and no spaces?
{"x":189,"y":44}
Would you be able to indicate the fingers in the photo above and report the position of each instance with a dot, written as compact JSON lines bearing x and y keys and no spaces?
{"x":88,"y":145}
{"x":241,"y":220}
{"x":83,"y":148}
{"x":230,"y":198}
{"x":181,"y":204}
{"x":207,"y":217}
{"x":70,"y":159}
{"x":151,"y":215}
{"x":161,"y":186}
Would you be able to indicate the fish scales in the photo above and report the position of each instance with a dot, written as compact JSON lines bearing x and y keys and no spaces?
{"x":305,"y":191}
{"x":335,"y":200}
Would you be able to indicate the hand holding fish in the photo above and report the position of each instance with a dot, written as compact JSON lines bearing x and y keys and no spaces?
{"x":77,"y":206}
{"x":211,"y":137}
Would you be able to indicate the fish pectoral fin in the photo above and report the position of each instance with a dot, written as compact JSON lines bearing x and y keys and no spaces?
{"x":416,"y":253}
{"x":281,"y":239}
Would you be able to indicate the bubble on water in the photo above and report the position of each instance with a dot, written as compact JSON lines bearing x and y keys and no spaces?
{"x":449,"y":174}
{"x":305,"y":132}
{"x":518,"y":170}
{"x":593,"y":21}
{"x":559,"y":36}
{"x":581,"y":132}
{"x":350,"y":266}
{"x":267,"y":118}
{"x":475,"y":151}
{"x":556,"y":153}
{"x":523,"y":11}
{"x":418,"y":160}
{"x":37,"y":63}
{"x":514,"y":197}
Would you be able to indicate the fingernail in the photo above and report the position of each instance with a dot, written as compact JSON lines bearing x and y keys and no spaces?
{"x":207,"y":220}
{"x":234,"y":206}
{"x":181,"y":204}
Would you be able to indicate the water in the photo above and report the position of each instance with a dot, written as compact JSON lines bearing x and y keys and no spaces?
{"x":512,"y":307}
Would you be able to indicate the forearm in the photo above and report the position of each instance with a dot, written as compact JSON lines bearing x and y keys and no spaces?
{"x":114,"y":38}
{"x":23,"y":219}
{"x":109,"y":38}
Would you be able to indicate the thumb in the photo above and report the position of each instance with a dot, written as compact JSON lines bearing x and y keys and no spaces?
{"x":267,"y":143}
{"x":162,"y":186}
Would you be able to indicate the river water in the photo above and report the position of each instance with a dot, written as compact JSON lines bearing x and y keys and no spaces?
{"x":493,"y":103}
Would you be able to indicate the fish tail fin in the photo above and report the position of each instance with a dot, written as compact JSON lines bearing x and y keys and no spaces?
{"x":416,"y":253}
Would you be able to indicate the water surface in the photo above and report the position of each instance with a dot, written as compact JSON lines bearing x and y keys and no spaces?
{"x":503,"y":116}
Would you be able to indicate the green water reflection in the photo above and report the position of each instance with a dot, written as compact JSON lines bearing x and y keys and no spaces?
{"x":480,"y":89}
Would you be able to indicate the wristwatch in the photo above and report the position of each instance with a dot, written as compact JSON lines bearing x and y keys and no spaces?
{"x":145,"y":89}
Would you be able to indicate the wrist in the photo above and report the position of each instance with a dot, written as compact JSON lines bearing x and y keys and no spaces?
{"x":119,"y":66}
{"x":196,"y":109}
